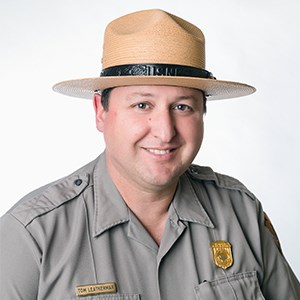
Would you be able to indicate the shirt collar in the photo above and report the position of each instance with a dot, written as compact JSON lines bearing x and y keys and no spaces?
{"x":111,"y":210}
{"x":187,"y":206}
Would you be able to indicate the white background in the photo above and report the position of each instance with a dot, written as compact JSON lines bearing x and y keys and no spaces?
{"x":45,"y":135}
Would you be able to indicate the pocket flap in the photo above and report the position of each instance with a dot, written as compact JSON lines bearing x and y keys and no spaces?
{"x":242,"y":286}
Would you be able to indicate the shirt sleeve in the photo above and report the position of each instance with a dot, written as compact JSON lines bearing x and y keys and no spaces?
{"x":279,"y":281}
{"x":19,"y":261}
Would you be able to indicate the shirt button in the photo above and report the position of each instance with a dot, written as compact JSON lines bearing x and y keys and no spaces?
{"x":78,"y":182}
{"x":194,"y":170}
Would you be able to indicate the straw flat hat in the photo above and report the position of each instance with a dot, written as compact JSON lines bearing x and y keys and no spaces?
{"x":153,"y":47}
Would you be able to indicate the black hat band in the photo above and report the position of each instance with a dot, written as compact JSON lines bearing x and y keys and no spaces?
{"x":155,"y":70}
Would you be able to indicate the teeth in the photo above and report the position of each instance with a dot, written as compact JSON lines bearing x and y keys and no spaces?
{"x":157,"y":151}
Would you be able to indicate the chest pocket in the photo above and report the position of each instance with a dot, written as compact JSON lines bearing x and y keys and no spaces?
{"x":242,"y":286}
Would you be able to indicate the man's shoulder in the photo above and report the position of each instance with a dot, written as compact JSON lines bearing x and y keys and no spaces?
{"x":207,"y":175}
{"x":47,"y":198}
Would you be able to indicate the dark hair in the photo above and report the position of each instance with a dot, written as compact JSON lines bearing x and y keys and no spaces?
{"x":105,"y":98}
{"x":106,"y":93}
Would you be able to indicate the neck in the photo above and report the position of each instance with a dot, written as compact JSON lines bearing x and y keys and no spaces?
{"x":150,"y":205}
{"x":151,"y":209}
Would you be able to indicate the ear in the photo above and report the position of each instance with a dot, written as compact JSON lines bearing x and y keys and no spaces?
{"x":99,"y":112}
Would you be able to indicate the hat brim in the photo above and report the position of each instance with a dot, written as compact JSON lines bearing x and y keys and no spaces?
{"x":214,"y":89}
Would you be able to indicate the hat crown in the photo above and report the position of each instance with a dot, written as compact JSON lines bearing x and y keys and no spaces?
{"x":153,"y":36}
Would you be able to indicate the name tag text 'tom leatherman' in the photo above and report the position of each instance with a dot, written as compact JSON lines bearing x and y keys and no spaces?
{"x":96,"y":289}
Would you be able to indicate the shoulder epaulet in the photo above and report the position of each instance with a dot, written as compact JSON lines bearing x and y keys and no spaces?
{"x":222,"y":181}
{"x":49,"y":197}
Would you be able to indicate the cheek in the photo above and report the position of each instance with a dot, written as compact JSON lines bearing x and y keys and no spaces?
{"x":192,"y":130}
{"x":198,"y":136}
{"x":124,"y":128}
{"x":109,"y":127}
{"x":135,"y":121}
{"x":194,"y":136}
{"x":138,"y":128}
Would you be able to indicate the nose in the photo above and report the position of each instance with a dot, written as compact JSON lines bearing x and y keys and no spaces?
{"x":163,"y":126}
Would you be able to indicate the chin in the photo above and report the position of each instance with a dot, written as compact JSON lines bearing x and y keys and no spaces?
{"x":164,"y":178}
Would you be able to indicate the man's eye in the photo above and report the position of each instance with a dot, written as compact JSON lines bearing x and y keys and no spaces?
{"x":182,"y":107}
{"x":142,"y":105}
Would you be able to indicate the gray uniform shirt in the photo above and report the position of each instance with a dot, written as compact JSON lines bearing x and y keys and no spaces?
{"x":78,"y":236}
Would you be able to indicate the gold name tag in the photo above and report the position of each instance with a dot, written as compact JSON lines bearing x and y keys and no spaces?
{"x":96,"y":289}
{"x":222,"y":254}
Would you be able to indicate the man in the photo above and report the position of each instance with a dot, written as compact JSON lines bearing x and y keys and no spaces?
{"x":141,"y":222}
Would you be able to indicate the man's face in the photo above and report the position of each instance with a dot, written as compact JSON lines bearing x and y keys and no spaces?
{"x":152,"y":133}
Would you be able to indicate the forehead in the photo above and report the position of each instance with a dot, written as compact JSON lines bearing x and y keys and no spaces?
{"x":157,"y":91}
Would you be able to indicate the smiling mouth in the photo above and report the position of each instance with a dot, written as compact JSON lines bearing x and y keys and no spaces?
{"x":159,"y":151}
